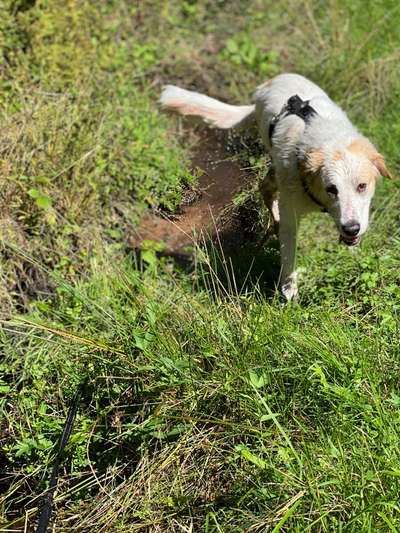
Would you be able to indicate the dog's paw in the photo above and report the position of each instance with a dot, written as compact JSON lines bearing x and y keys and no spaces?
{"x":290,"y":289}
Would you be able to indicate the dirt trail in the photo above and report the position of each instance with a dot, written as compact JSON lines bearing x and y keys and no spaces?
{"x":221,"y":178}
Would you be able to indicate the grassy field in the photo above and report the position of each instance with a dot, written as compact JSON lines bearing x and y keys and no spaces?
{"x":208,"y":406}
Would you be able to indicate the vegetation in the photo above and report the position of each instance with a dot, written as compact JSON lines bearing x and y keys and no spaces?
{"x":209,"y":406}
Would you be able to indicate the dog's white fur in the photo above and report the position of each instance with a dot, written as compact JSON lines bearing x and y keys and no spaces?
{"x":339,"y":165}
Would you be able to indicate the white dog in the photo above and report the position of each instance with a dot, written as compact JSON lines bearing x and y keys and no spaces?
{"x":320,"y":160}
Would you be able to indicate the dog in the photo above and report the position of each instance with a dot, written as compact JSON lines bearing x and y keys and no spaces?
{"x":320,"y":161}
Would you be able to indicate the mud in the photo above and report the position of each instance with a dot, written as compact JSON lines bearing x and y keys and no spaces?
{"x":221,"y":178}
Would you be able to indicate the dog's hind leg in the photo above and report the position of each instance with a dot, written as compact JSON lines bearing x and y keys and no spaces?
{"x":270,"y":195}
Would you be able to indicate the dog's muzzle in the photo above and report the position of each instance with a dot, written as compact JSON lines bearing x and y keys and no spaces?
{"x":350,"y":233}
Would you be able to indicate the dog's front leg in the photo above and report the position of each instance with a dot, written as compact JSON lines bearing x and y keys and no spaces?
{"x":288,"y":241}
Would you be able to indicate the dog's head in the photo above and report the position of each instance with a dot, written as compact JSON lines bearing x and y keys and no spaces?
{"x":344,"y":182}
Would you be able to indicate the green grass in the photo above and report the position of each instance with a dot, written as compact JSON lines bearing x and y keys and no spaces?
{"x":209,"y":406}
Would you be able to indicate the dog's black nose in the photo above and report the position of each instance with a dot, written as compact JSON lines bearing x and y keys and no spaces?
{"x":351,"y":229}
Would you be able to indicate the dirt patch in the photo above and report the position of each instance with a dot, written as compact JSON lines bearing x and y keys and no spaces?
{"x":221,"y":178}
{"x":245,"y":250}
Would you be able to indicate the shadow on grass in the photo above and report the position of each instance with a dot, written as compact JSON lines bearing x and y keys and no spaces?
{"x":231,"y":263}
{"x":243,"y":268}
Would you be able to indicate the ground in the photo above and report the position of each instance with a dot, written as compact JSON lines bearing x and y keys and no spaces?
{"x":208,"y":404}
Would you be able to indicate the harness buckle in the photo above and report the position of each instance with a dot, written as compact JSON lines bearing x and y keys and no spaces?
{"x":294,"y":106}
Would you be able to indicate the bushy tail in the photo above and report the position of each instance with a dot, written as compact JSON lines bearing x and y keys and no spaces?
{"x":214,"y":112}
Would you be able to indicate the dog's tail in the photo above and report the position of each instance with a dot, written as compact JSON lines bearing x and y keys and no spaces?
{"x":216,"y":113}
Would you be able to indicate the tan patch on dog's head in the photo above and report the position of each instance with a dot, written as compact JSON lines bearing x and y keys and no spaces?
{"x":361,"y":146}
{"x":367,"y":174}
{"x":365,"y":148}
{"x":338,"y":156}
{"x":313,"y":161}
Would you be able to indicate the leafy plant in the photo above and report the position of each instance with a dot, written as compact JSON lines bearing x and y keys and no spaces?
{"x":243,"y":50}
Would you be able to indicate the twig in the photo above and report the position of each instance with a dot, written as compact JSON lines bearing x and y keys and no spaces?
{"x":47,"y":498}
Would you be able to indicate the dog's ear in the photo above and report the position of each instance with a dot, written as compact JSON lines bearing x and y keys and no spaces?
{"x":362,"y":146}
{"x":312,"y":161}
{"x":379,"y":164}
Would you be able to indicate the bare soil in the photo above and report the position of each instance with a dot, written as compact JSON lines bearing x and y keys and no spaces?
{"x":220,"y":179}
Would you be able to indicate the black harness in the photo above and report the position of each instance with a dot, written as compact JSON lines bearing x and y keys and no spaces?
{"x":296,"y":106}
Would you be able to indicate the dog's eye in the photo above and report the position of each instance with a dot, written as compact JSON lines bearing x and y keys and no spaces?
{"x":361,"y":187}
{"x":332,"y":190}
